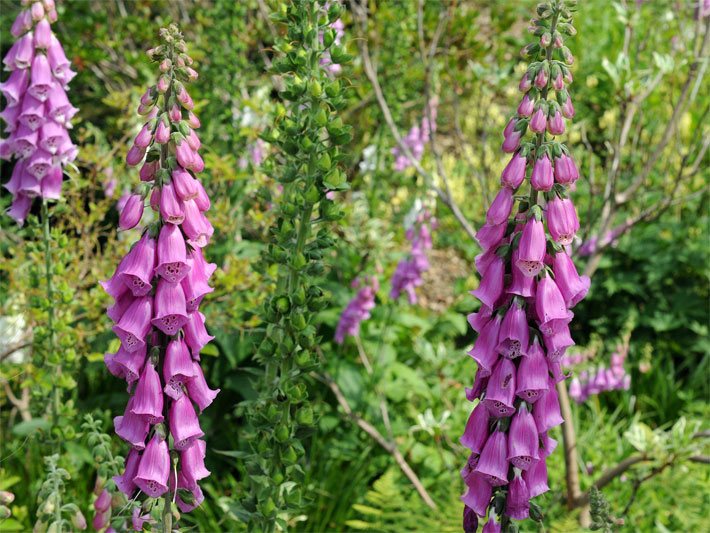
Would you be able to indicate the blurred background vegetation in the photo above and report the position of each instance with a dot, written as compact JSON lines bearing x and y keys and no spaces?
{"x":632,"y":57}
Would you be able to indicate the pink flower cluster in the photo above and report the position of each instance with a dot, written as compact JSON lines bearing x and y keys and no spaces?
{"x":38,"y":112}
{"x":408,"y":274}
{"x":417,"y":138}
{"x":528,"y":287}
{"x":358,"y":309}
{"x":600,"y":379}
{"x":157,"y":289}
{"x":326,"y":61}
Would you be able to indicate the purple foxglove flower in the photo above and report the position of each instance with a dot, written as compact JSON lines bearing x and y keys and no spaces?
{"x":162,"y":132}
{"x":514,"y":332}
{"x":550,"y":306}
{"x":357,"y":310}
{"x":103,"y":502}
{"x":478,"y":494}
{"x":484,"y":352}
{"x":175,"y":114}
{"x":136,"y":271}
{"x":514,"y":172}
{"x":510,"y":127}
{"x":500,"y":393}
{"x":536,"y":479}
{"x":170,"y":310}
{"x":557,"y":343}
{"x":562,"y":220}
{"x":484,"y":260}
{"x":575,"y":390}
{"x":184,"y":426}
{"x":568,"y":109}
{"x":573,"y":287}
{"x":196,"y":226}
{"x":198,"y":389}
{"x":33,"y":113}
{"x":517,"y":504}
{"x":21,"y":55}
{"x":185,"y":155}
{"x":52,"y":184}
{"x":126,"y":365}
{"x":132,"y":212}
{"x":491,"y":287}
{"x":193,"y":121}
{"x":525,"y":108}
{"x":203,"y":200}
{"x":525,"y":83}
{"x":22,"y":23}
{"x":520,"y":284}
{"x":20,"y":208}
{"x":144,"y":137}
{"x":124,"y":482}
{"x":52,"y":137}
{"x":135,"y":156}
{"x":556,"y":124}
{"x":138,"y":519}
{"x":148,"y":399}
{"x":196,"y":335}
{"x":39,"y":164}
{"x":492,"y":526}
{"x":29,"y":186}
{"x":184,"y":184}
{"x":493,"y":463}
{"x":154,"y":468}
{"x":531,"y":248}
{"x":555,"y":368}
{"x":171,"y":208}
{"x":489,"y":236}
{"x":476,"y":432}
{"x":558,"y":83}
{"x":512,"y":142}
{"x":178,"y":368}
{"x":122,"y":303}
{"x":541,"y":78}
{"x":546,"y":410}
{"x":523,"y":444}
{"x":101,"y":520}
{"x":192,"y":462}
{"x":565,"y":170}
{"x":500,"y":208}
{"x":538,"y":122}
{"x":131,"y":427}
{"x":61,"y":68}
{"x":59,"y":107}
{"x":14,"y":87}
{"x":467,"y":471}
{"x":470,"y":520}
{"x":480,"y":319}
{"x":148,"y":170}
{"x":480,"y":382}
{"x":134,"y":324}
{"x":172,"y":264}
{"x":541,"y":177}
{"x":185,"y":99}
{"x":194,"y":141}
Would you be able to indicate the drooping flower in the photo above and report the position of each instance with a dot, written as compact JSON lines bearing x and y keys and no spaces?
{"x":528,"y":286}
{"x":37,"y":112}
{"x":157,"y":290}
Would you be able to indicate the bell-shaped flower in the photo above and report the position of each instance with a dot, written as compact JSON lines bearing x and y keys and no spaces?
{"x":517,"y":504}
{"x":493,"y":462}
{"x":170,"y":312}
{"x":196,"y":335}
{"x":526,"y":106}
{"x":126,"y":365}
{"x":199,"y":391}
{"x":154,"y":468}
{"x":195,"y":283}
{"x":500,"y":392}
{"x":531,"y":248}
{"x":562,"y":220}
{"x":178,"y":368}
{"x":514,"y":172}
{"x":172,"y":262}
{"x":124,"y":482}
{"x":131,"y":213}
{"x":500,"y":208}
{"x":536,"y":479}
{"x":136,"y":271}
{"x":520,"y":284}
{"x":532,"y":374}
{"x":184,"y":426}
{"x":546,"y":411}
{"x":542,"y":178}
{"x":538,"y":121}
{"x":573,"y":287}
{"x":476,"y":432}
{"x":523,"y":445}
{"x":491,"y":288}
{"x":192,"y":463}
{"x":556,"y":124}
{"x":557,"y":343}
{"x":514,"y":332}
{"x":171,"y":208}
{"x":184,"y":184}
{"x":478,"y":494}
{"x":484,"y":349}
{"x":550,"y":307}
{"x":134,"y":324}
{"x":148,"y":399}
{"x":196,"y":226}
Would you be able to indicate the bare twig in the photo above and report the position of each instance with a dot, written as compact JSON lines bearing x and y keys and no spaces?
{"x":7,"y":353}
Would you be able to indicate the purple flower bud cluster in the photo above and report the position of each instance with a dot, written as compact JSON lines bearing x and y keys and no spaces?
{"x":408,"y":274}
{"x":157,"y":290}
{"x":38,"y":112}
{"x":600,"y":379}
{"x":358,"y":309}
{"x":417,"y":138}
{"x":528,"y":287}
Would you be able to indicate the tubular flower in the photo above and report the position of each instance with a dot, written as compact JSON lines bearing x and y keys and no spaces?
{"x":38,"y":113}
{"x":417,"y":138}
{"x":528,"y":286}
{"x":408,"y":274}
{"x":599,"y":378}
{"x":358,"y":309}
{"x":157,"y":289}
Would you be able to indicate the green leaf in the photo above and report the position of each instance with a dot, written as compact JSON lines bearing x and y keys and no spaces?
{"x":28,"y":427}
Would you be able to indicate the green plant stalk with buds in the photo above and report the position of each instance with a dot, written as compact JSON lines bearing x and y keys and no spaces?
{"x":306,"y":135}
